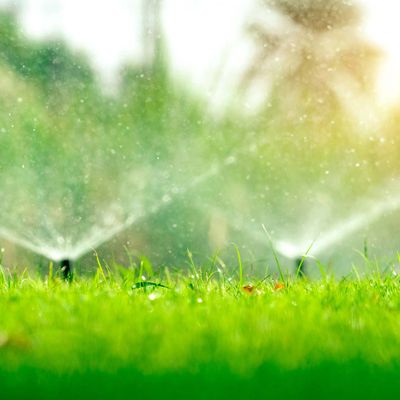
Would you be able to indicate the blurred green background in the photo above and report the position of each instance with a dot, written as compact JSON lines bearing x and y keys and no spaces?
{"x":154,"y":168}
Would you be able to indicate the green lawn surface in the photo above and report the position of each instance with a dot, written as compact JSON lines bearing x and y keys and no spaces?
{"x":204,"y":335}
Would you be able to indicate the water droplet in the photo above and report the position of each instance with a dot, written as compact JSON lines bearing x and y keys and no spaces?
{"x":152,"y":296}
{"x":230,"y":160}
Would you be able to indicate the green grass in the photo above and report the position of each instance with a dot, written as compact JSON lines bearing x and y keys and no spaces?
{"x":201,"y":337}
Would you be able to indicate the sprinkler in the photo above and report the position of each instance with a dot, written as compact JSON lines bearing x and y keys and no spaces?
{"x":66,"y":269}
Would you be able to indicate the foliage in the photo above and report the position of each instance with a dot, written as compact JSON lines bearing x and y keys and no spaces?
{"x":57,"y":337}
{"x":315,"y":55}
{"x":48,"y":64}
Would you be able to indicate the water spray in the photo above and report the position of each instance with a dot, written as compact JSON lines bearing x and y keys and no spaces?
{"x":66,"y":269}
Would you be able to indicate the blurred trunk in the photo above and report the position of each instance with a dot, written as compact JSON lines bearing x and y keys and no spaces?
{"x":151,"y":34}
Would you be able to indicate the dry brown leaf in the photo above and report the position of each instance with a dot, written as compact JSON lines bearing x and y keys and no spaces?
{"x":279,"y":286}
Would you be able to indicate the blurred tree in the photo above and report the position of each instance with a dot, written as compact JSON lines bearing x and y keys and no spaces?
{"x":316,"y":60}
{"x":152,"y":33}
{"x":50,"y":64}
{"x":146,"y":88}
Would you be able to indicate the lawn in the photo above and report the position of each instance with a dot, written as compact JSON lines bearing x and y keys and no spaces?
{"x":203,"y":334}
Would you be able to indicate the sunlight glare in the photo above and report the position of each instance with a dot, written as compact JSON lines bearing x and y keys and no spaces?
{"x":383,"y":29}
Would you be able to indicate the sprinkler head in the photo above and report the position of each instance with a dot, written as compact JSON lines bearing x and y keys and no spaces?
{"x":66,"y":269}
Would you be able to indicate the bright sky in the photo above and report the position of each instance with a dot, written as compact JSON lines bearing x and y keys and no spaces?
{"x":200,"y":34}
{"x":382,"y":26}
